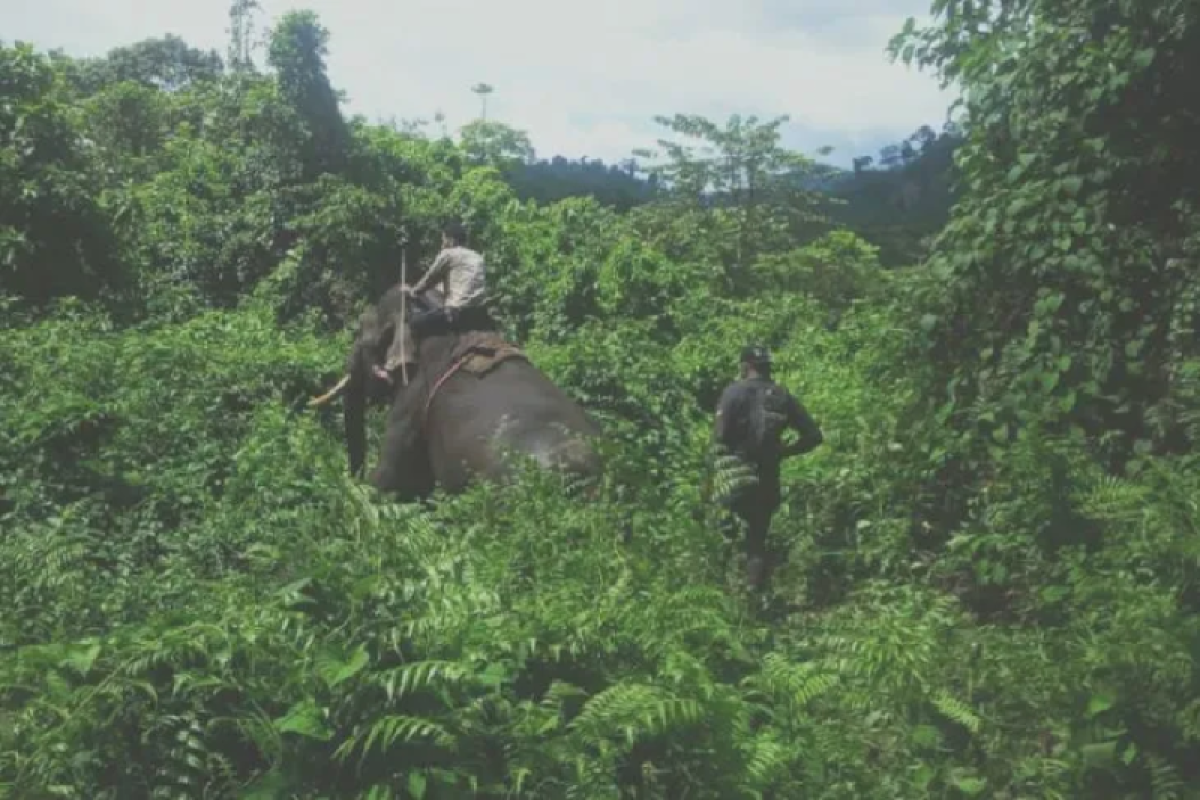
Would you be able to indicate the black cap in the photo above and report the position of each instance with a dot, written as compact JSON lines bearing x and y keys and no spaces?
{"x":756,"y":355}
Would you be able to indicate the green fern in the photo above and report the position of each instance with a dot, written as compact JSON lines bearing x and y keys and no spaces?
{"x":799,"y":684}
{"x":730,"y":475}
{"x":634,"y":711}
{"x":956,"y":710}
{"x":421,"y":675}
{"x":386,"y":731}
{"x":769,"y":760}
{"x":1115,"y":499}
{"x":1165,"y":783}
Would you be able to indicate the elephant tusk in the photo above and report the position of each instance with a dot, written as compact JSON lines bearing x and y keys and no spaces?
{"x":332,"y":393}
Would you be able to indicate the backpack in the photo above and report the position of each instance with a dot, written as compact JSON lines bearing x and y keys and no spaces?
{"x":768,"y":418}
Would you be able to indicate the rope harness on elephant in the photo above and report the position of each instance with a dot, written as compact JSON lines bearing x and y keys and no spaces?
{"x":458,"y":362}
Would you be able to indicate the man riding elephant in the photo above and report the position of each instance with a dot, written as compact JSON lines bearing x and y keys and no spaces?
{"x":752,"y":415}
{"x":470,"y":402}
{"x":462,"y":274}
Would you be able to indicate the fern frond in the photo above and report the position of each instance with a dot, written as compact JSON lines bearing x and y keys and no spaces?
{"x":1165,"y":783}
{"x":420,"y":675}
{"x":956,"y":710}
{"x":799,"y":683}
{"x":386,"y":731}
{"x":1114,"y":499}
{"x":634,"y":710}
{"x":768,"y":759}
{"x":730,"y":475}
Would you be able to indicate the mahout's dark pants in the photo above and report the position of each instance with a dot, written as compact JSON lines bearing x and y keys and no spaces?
{"x":449,"y":320}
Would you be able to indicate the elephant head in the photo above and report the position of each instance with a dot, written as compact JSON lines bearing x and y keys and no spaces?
{"x":363,"y":383}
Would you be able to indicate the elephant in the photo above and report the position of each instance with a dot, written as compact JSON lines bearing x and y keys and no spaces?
{"x":450,"y":422}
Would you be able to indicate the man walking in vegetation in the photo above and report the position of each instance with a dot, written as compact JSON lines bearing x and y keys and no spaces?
{"x":752,"y":415}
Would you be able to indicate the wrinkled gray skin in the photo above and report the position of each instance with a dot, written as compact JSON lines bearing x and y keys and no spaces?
{"x":472,"y":420}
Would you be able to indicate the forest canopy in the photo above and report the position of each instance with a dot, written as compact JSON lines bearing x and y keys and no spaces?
{"x":990,"y":571}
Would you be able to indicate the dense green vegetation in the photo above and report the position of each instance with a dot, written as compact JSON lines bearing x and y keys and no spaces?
{"x":991,"y":567}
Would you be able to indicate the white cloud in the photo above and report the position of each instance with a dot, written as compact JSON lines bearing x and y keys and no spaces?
{"x":581,"y":78}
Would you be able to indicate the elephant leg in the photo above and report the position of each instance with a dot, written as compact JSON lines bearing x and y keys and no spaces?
{"x":403,"y":467}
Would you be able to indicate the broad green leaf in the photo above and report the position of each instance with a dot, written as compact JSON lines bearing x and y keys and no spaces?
{"x":337,"y":672}
{"x":1103,"y":753}
{"x":82,"y":657}
{"x":304,"y":719}
{"x":1099,"y":702}
{"x":968,"y":784}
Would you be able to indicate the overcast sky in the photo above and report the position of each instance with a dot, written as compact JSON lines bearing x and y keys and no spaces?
{"x":582,"y":78}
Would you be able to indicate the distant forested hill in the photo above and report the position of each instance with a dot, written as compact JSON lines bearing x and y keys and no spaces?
{"x":904,"y":196}
{"x":894,"y":200}
{"x":558,"y":178}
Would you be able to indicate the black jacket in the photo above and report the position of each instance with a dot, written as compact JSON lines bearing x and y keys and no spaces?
{"x":734,"y":421}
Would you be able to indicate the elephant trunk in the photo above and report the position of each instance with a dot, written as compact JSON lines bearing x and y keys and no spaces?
{"x":354,"y":414}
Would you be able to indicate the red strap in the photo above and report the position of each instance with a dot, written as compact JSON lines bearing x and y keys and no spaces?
{"x":462,"y":359}
{"x":445,"y":377}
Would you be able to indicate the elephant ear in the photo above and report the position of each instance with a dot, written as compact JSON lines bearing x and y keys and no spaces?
{"x":375,"y":331}
{"x":399,"y":345}
{"x":369,"y":323}
{"x":366,"y":331}
{"x":378,"y":327}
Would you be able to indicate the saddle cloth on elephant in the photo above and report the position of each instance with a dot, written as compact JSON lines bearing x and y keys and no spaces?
{"x":477,"y":352}
{"x":482,"y":351}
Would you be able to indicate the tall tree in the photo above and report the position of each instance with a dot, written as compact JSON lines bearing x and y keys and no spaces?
{"x":496,"y":144}
{"x":55,"y":238}
{"x":297,"y":53}
{"x":741,"y":173}
{"x":241,"y":32}
{"x":166,"y":63}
